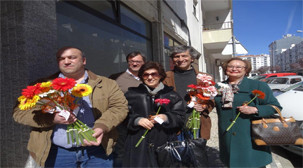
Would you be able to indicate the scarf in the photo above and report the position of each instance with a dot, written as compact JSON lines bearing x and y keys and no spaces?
{"x":228,"y":95}
{"x":155,"y":90}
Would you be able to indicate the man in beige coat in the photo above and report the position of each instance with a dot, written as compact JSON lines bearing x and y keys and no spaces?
{"x":103,"y":110}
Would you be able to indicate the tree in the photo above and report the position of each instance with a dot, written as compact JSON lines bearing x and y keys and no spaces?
{"x":295,"y":66}
{"x":300,"y":61}
{"x":263,"y":69}
{"x":275,"y":68}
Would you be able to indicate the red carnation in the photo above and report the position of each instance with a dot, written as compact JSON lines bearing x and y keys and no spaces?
{"x":192,"y":86}
{"x":162,"y":101}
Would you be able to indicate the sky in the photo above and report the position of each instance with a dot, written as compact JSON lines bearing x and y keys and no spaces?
{"x":257,"y":23}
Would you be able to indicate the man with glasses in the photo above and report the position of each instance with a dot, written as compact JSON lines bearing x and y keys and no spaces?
{"x":129,"y":78}
{"x":183,"y":75}
{"x":126,"y":79}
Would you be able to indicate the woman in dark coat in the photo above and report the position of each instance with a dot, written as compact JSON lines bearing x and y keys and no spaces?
{"x":142,"y":106}
{"x":236,"y":146}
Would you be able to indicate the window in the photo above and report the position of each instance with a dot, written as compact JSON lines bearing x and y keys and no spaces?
{"x":168,"y":43}
{"x":295,"y":80}
{"x":104,"y":7}
{"x":104,"y":41}
{"x":280,"y":81}
{"x":135,"y":22}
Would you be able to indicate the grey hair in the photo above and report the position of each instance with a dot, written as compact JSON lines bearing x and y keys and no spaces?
{"x":183,"y":48}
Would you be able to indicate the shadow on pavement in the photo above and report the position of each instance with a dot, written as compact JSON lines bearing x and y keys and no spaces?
{"x":214,"y":157}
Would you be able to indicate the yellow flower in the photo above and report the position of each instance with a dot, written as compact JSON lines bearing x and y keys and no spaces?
{"x":81,"y":90}
{"x":26,"y":103}
{"x":45,"y":86}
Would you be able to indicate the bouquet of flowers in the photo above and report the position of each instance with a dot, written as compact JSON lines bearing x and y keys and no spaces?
{"x":54,"y":96}
{"x":201,"y":93}
{"x":159,"y":120}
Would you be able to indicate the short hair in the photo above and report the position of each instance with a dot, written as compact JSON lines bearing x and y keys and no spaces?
{"x":152,"y":65}
{"x":63,"y":49}
{"x":135,"y":53}
{"x":247,"y":65}
{"x":183,"y":48}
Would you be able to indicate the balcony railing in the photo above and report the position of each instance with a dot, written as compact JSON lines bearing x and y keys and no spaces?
{"x":218,"y":26}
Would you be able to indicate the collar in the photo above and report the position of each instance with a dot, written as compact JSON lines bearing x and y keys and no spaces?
{"x":156,"y":90}
{"x":136,"y":77}
{"x":84,"y":80}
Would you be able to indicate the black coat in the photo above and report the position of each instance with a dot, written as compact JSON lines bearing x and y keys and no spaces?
{"x":141,"y":104}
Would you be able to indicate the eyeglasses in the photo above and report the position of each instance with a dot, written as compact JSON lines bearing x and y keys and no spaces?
{"x":138,"y":62}
{"x":237,"y":67}
{"x":154,"y":75}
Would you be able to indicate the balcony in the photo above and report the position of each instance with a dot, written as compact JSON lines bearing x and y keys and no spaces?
{"x":215,"y":38}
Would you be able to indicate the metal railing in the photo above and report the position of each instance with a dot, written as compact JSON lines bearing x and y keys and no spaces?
{"x":218,"y":26}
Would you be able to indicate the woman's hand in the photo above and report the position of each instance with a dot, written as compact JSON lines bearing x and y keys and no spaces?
{"x":146,"y":123}
{"x":161,"y":116}
{"x":248,"y":109}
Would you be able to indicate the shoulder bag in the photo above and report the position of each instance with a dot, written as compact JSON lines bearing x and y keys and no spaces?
{"x":276,"y":131}
{"x":186,"y":153}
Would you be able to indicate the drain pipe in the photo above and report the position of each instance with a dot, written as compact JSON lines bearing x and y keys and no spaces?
{"x":183,"y":24}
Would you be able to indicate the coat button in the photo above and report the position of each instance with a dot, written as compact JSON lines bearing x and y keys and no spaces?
{"x":234,"y":134}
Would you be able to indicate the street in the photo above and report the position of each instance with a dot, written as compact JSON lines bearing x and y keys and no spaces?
{"x":281,"y":157}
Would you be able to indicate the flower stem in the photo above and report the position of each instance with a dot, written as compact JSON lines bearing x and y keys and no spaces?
{"x":143,"y":136}
{"x":234,"y":121}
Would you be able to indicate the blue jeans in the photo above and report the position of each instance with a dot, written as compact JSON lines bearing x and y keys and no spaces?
{"x":83,"y":157}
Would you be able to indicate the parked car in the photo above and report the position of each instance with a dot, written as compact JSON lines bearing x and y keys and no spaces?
{"x":267,"y":80}
{"x":283,"y":82}
{"x":291,"y":101}
{"x":268,"y":75}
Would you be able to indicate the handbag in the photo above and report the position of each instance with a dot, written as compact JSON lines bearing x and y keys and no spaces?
{"x":186,"y":153}
{"x":276,"y":131}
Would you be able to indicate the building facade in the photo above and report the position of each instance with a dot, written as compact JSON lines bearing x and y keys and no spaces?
{"x":289,"y":60}
{"x":257,"y":61}
{"x":217,"y":32}
{"x":278,"y":46}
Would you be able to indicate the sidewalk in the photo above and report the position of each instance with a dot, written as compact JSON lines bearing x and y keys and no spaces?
{"x":213,"y":143}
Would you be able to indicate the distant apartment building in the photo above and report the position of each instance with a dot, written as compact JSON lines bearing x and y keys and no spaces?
{"x":279,"y":46}
{"x":288,"y":59}
{"x":257,"y":61}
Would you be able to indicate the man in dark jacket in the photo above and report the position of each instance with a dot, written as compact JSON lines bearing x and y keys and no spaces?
{"x":183,"y":75}
{"x":126,"y":79}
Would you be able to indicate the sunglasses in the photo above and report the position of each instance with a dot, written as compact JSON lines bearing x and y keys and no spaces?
{"x":154,"y":75}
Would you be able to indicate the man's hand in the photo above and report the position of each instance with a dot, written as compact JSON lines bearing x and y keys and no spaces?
{"x":98,"y":135}
{"x":200,"y":107}
{"x":58,"y":119}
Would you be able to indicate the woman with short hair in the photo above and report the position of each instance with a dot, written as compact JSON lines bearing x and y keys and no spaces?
{"x":236,"y":146}
{"x":142,"y":106}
